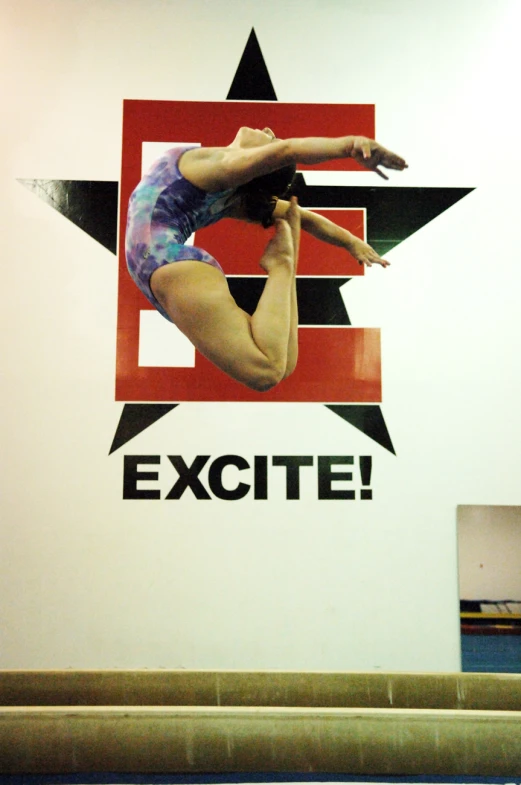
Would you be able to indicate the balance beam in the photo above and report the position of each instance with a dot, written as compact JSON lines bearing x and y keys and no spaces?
{"x":487,"y":692}
{"x":71,"y":738}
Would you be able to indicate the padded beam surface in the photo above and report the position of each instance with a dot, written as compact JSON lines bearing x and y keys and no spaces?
{"x":352,"y":741}
{"x":267,"y":688}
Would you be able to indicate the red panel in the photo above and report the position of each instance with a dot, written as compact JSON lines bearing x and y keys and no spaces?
{"x":336,"y":365}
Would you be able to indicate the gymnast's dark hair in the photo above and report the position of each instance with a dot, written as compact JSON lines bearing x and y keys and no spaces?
{"x":261,"y":194}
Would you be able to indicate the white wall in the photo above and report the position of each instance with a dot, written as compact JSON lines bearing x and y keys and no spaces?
{"x":90,"y":580}
{"x":489,"y":545}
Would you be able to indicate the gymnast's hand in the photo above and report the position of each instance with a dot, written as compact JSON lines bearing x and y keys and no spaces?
{"x":364,"y":254}
{"x":372,"y":155}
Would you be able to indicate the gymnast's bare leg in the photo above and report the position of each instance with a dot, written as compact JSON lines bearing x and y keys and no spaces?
{"x":258,"y":351}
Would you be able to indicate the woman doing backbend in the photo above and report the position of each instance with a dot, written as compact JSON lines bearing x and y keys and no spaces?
{"x":192,"y":187}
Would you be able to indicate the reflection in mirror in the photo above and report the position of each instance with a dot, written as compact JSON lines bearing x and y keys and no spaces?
{"x":489,"y":552}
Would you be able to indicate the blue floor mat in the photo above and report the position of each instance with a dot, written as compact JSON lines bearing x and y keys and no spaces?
{"x":491,"y":653}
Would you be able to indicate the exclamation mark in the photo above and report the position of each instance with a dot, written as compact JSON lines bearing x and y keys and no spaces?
{"x":366,"y":465}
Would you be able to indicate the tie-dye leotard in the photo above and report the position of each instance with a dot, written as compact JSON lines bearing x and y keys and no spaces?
{"x":164,"y":210}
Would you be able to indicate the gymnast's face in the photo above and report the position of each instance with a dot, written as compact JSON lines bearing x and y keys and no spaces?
{"x":253,"y":137}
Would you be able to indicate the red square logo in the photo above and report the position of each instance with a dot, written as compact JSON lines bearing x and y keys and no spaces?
{"x":339,"y":364}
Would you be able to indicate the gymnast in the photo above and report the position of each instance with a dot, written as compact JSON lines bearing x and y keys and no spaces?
{"x":192,"y":187}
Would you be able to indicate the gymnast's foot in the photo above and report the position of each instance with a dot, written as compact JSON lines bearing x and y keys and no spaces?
{"x":279,"y":251}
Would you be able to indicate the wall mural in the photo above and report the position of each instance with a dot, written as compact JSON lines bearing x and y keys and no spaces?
{"x":339,"y":363}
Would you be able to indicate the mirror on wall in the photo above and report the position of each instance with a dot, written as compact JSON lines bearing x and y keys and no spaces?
{"x":489,"y":553}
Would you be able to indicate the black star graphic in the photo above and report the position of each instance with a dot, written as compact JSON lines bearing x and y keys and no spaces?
{"x":393,"y":214}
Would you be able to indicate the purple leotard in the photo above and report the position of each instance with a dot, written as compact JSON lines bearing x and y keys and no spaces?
{"x":164,"y":210}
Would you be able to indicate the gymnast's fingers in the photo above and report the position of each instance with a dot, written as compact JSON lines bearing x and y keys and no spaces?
{"x":380,"y":173}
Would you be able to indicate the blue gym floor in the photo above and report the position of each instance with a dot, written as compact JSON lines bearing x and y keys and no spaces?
{"x":233,"y":779}
{"x":491,"y":653}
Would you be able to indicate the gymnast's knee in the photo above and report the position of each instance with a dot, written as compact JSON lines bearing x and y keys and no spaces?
{"x":265,"y":378}
{"x":290,"y":367}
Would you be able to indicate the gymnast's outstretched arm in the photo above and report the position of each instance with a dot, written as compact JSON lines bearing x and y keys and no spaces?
{"x":219,"y":168}
{"x":327,"y":231}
